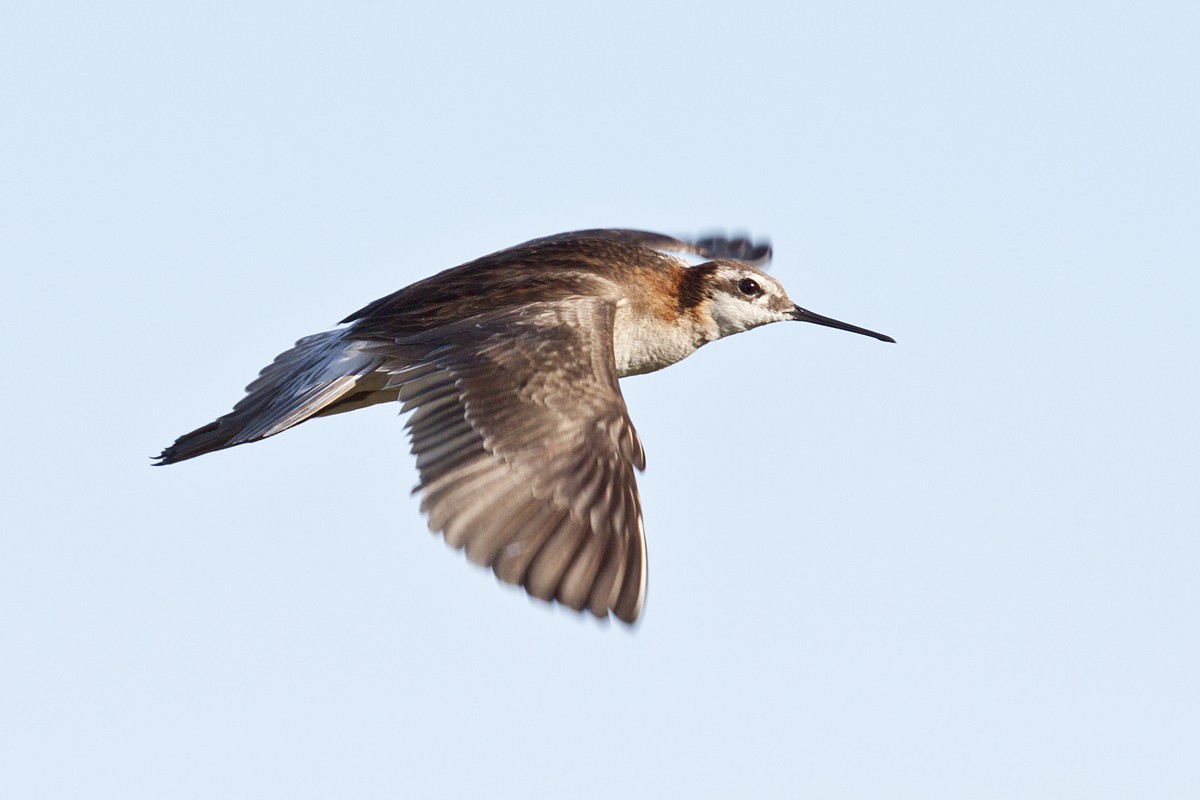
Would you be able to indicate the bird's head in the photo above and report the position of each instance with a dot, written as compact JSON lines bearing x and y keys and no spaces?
{"x":741,"y":297}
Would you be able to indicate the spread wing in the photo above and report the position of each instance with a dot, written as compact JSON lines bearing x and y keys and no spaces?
{"x":526,"y":452}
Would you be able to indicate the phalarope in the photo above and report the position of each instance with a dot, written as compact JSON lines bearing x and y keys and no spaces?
{"x":524,"y":446}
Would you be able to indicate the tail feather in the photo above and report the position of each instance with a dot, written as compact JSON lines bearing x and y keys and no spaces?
{"x":316,"y":377}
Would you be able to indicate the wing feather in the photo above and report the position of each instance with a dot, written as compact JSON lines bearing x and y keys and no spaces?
{"x":525,"y":449}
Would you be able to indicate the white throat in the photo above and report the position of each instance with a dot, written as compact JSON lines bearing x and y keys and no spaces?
{"x":733,"y":315}
{"x":644,"y":344}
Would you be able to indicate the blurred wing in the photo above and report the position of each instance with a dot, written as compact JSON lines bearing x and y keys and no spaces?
{"x":738,"y":247}
{"x":526,"y":452}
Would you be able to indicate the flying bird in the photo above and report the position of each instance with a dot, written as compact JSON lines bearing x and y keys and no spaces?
{"x":509,"y":363}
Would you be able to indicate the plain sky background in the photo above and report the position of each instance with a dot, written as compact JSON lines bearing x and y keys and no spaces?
{"x":965,"y":565}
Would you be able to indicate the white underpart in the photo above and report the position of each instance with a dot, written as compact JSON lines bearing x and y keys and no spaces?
{"x":645,"y":343}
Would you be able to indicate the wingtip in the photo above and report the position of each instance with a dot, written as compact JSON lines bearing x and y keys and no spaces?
{"x":164,"y":459}
{"x":738,"y":246}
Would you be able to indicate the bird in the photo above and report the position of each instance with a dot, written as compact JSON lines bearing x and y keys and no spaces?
{"x":509,"y":365}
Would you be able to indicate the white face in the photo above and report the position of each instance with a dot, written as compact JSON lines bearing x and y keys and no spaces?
{"x":744,"y":298}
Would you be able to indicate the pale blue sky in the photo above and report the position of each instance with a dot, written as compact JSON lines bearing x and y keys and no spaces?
{"x":965,"y":565}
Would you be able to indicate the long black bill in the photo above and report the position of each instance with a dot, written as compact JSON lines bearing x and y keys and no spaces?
{"x":804,"y":315}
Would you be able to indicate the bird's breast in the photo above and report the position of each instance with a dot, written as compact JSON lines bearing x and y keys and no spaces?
{"x":644,"y":343}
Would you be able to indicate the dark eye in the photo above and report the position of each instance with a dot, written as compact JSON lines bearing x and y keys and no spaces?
{"x":749,"y":287}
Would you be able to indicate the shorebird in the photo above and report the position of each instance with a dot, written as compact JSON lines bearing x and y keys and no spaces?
{"x":509,"y":363}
